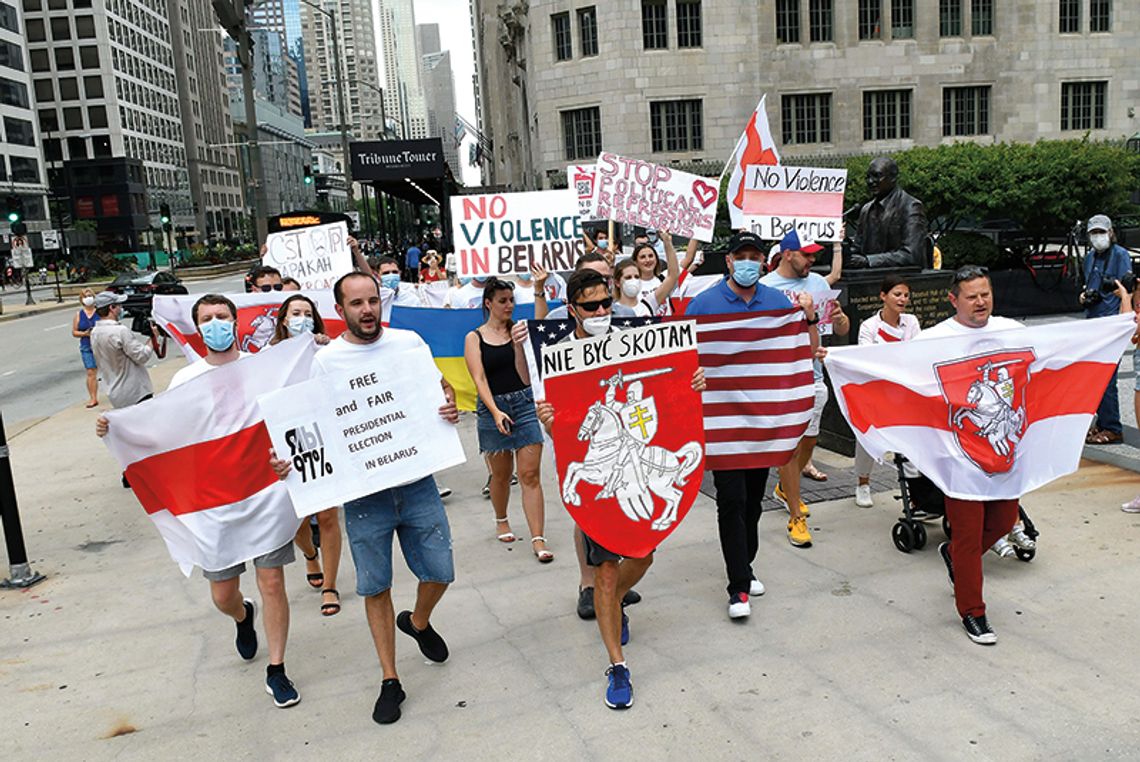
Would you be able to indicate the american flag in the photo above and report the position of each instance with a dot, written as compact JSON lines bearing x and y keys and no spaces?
{"x":761,"y":389}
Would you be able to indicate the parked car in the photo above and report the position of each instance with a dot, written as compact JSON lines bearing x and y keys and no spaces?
{"x":141,"y":287}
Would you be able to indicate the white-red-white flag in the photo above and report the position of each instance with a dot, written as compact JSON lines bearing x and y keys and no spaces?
{"x":989,"y":416}
{"x":197,"y":458}
{"x":755,"y":146}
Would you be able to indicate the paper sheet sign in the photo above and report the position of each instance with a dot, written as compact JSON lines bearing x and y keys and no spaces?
{"x":654,"y":196}
{"x":316,"y":256}
{"x":505,"y":233}
{"x":779,"y":197}
{"x":580,"y":178}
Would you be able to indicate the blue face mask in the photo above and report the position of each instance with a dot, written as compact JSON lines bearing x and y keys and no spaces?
{"x":464,"y":281}
{"x":603,"y":244}
{"x":218,"y":334}
{"x":525,"y":277}
{"x":745,"y":272}
{"x":390,"y":280}
{"x":299,"y":324}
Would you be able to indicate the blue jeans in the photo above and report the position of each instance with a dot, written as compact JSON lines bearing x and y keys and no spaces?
{"x":1108,"y":413}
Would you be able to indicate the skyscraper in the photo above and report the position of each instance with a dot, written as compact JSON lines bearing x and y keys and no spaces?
{"x":439,"y":91}
{"x":284,"y":17}
{"x":403,"y":85}
{"x":20,"y":167}
{"x":364,"y":101}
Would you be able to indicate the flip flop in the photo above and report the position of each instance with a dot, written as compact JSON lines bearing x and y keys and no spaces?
{"x":329,"y":609}
{"x":814,"y":473}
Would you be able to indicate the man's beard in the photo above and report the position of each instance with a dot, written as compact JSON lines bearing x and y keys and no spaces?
{"x":359,"y":332}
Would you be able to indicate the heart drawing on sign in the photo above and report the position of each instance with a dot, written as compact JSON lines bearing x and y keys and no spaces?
{"x":704,"y":192}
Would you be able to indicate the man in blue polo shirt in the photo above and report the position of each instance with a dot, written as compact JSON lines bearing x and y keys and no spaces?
{"x":739,"y":492}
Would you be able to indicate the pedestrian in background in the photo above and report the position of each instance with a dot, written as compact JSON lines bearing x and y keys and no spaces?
{"x":1105,"y":262}
{"x":81,"y":326}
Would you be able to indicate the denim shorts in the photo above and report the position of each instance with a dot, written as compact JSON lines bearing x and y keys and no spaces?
{"x":88,"y":357}
{"x":274,"y":559}
{"x":524,"y":431}
{"x":415,"y":513}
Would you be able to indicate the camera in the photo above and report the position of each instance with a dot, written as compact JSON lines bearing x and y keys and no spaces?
{"x":1128,"y":280}
{"x":1091,"y":297}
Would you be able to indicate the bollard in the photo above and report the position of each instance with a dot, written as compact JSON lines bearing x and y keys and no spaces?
{"x":20,"y":571}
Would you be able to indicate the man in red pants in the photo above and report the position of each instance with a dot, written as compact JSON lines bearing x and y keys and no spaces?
{"x":976,"y":524}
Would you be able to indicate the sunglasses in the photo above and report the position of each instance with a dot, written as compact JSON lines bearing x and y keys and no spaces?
{"x":275,"y":287}
{"x":593,"y":306}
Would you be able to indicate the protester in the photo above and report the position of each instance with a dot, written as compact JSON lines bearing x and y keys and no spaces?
{"x":468,"y":296}
{"x":412,"y":264}
{"x":290,"y":284}
{"x":524,"y":289}
{"x":120,"y":355}
{"x":739,"y":492}
{"x":1131,"y":303}
{"x":451,"y":266}
{"x":891,"y":323}
{"x":657,"y":242}
{"x":1105,"y":262}
{"x":594,"y":261}
{"x":266,"y":278}
{"x":413,"y":510}
{"x":976,"y":524}
{"x":81,"y":326}
{"x":794,"y":276}
{"x":215,"y":316}
{"x":509,"y":434}
{"x":601,"y":244}
{"x":631,"y":289}
{"x":588,"y":295}
{"x":389,"y":277}
{"x":430,"y":271}
{"x":298,"y":316}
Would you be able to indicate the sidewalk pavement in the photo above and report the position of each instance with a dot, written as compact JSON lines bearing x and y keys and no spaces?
{"x":854,"y":653}
{"x":17,"y":311}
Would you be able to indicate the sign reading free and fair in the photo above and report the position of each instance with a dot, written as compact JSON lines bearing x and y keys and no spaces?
{"x":506,"y":233}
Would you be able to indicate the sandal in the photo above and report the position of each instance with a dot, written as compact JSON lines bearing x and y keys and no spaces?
{"x":544,"y":556}
{"x":505,"y":536}
{"x":90,"y":405}
{"x":1094,"y":432}
{"x":1104,"y":437}
{"x":813,"y":473}
{"x":329,"y":609}
{"x":317,"y":580}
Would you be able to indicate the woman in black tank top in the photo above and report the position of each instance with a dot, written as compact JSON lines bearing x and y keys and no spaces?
{"x":510,"y":437}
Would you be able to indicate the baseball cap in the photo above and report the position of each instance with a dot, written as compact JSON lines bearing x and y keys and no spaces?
{"x":1100,"y":222}
{"x":792,"y":242}
{"x":744,"y":240}
{"x":107,"y":298}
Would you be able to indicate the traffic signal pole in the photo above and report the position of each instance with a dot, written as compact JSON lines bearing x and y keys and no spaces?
{"x":19,"y":570}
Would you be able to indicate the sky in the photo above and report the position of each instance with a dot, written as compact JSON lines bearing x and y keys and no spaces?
{"x":454,"y":19}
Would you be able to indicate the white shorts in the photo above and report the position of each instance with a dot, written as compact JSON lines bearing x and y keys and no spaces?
{"x":817,"y":411}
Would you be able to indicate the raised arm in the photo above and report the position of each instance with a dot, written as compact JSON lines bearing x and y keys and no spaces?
{"x":672,"y":270}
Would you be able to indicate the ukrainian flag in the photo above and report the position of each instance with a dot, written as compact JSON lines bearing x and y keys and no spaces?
{"x":444,"y":331}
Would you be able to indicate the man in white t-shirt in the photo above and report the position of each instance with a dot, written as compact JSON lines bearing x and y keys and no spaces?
{"x":216,"y":317}
{"x":414,"y":511}
{"x":468,"y":295}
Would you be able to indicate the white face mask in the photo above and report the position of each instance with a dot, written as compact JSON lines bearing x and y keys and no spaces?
{"x":88,"y":301}
{"x":631,"y":287}
{"x":596,"y":326}
{"x":299,"y":324}
{"x":1099,"y":241}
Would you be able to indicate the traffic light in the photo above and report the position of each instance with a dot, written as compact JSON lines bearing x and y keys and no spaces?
{"x":164,"y":216}
{"x":308,"y":174}
{"x":15,"y":207}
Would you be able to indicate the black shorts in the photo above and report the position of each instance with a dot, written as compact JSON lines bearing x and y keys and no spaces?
{"x":596,"y":555}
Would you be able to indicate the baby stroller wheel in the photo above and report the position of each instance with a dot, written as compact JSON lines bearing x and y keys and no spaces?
{"x":919,"y":535}
{"x":1025,"y":555}
{"x":903,"y":536}
{"x":946,"y":527}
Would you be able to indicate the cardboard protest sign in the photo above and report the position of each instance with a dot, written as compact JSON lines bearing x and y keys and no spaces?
{"x":581,"y":179}
{"x":778,"y":198}
{"x":353,"y":433}
{"x":505,"y":233}
{"x":654,"y":196}
{"x":628,"y":432}
{"x":316,"y":256}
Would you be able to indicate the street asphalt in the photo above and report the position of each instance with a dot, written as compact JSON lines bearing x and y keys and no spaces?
{"x":854,"y":653}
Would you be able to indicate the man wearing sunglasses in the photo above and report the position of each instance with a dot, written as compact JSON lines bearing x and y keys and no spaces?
{"x":266,"y":279}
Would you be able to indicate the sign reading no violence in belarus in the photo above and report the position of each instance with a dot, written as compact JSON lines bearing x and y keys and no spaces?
{"x":505,"y":233}
{"x":353,"y":433}
{"x":778,"y":198}
{"x":316,"y":256}
{"x":653,"y":196}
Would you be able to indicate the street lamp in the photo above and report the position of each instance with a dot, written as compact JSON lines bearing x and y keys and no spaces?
{"x":339,"y":81}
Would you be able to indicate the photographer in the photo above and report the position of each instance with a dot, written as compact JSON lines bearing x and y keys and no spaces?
{"x":1104,"y":264}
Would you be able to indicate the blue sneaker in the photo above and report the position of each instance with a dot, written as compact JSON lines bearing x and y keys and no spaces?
{"x":246,"y":634}
{"x":619,"y":692}
{"x":624,"y":629}
{"x":281,"y":689}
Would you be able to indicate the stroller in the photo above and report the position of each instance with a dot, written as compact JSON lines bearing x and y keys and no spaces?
{"x":923,"y":501}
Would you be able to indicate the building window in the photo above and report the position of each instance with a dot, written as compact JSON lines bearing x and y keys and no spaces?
{"x":981,"y":17}
{"x":73,"y":119}
{"x":820,"y":24}
{"x":560,"y":26}
{"x":84,"y":27}
{"x":902,"y":19}
{"x":13,"y":93}
{"x":787,"y":21}
{"x":49,"y":120}
{"x":950,"y":18}
{"x":41,"y":61}
{"x":89,"y":57}
{"x":68,"y":89}
{"x":1082,"y":105}
{"x":965,"y":111}
{"x":19,"y":131}
{"x":97,"y":116}
{"x":688,"y":23}
{"x":93,"y":87}
{"x":588,"y":30}
{"x":9,"y":19}
{"x":45,"y":93}
{"x":1070,"y":16}
{"x":676,"y":126}
{"x":61,"y":28}
{"x":25,"y":170}
{"x":1100,"y":15}
{"x":654,"y":24}
{"x":77,"y":148}
{"x":886,"y":114}
{"x":870,"y":19}
{"x":806,"y":118}
{"x":35,"y":30}
{"x":64,"y":59}
{"x":582,"y":133}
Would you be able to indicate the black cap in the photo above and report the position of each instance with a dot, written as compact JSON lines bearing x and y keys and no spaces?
{"x":744,"y":240}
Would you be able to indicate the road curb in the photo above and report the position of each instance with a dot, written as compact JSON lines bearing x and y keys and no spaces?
{"x":32,"y":313}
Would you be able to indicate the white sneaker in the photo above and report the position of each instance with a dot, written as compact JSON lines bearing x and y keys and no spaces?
{"x":863,"y":496}
{"x":1133,"y":506}
{"x":739,"y":607}
{"x":1002,"y":548}
{"x":1020,"y":539}
{"x":756,"y":588}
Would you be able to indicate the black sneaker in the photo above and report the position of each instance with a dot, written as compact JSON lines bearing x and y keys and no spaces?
{"x":246,"y":634}
{"x":631,"y":597}
{"x":387,"y":709}
{"x":430,"y":643}
{"x":979,"y":629}
{"x":944,"y":551}
{"x":281,"y":689}
{"x":586,"y":603}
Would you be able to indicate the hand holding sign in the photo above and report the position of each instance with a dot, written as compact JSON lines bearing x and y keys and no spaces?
{"x":315,"y":256}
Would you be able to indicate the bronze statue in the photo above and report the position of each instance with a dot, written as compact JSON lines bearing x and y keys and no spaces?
{"x":892,"y":225}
